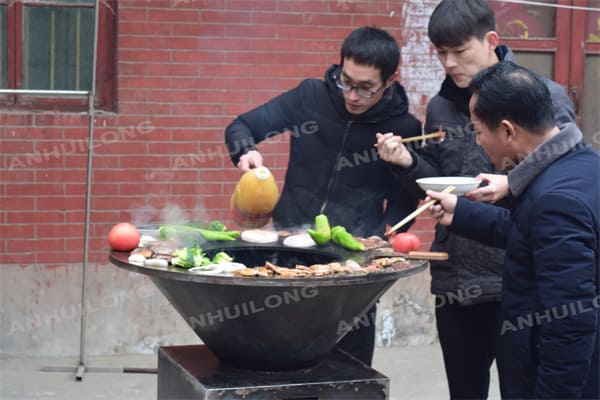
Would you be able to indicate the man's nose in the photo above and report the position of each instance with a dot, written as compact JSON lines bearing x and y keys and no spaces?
{"x":352,"y":94}
{"x":450,"y":61}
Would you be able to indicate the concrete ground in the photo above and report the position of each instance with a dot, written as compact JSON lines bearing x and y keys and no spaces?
{"x":415,"y":373}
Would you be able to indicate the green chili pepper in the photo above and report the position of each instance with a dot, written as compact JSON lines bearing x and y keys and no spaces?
{"x":219,"y":235}
{"x":170,"y":231}
{"x":342,"y":237}
{"x":322,"y":232}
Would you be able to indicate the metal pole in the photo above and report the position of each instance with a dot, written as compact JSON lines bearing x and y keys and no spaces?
{"x":81,"y":367}
{"x":91,"y":115}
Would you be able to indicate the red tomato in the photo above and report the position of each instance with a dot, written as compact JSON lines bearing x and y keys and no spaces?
{"x":405,"y":242}
{"x":123,"y":237}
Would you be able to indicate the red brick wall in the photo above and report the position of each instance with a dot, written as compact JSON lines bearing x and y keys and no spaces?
{"x":185,"y":69}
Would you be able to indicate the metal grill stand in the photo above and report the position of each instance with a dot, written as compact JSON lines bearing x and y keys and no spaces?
{"x":193,"y":372}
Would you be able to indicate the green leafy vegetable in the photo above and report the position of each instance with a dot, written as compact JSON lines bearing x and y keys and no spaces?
{"x":189,"y":257}
{"x":217,"y":226}
{"x":221,"y":257}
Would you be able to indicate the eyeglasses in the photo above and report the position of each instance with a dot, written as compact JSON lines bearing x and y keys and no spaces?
{"x":362,"y":92}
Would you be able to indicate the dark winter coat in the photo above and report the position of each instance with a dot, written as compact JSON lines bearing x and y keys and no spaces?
{"x":472,"y":267}
{"x":333,"y":165}
{"x":551,"y":288}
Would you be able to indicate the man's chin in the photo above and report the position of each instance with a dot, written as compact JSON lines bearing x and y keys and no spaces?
{"x":354,"y":110}
{"x":462,"y":83}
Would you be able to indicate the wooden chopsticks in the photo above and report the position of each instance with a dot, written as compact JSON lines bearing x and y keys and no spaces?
{"x":418,"y":211}
{"x":433,"y":135}
{"x":438,"y":134}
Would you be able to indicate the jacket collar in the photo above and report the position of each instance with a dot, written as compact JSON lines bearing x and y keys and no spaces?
{"x":461,"y":96}
{"x":545,"y":154}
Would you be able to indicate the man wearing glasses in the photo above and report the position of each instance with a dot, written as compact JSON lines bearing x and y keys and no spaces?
{"x":333,"y":166}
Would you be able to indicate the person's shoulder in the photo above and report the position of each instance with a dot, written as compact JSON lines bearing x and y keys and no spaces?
{"x":312,"y":83}
{"x":554,"y":87}
{"x":311,"y":86}
{"x":436,"y":101}
{"x":440,"y":105}
{"x":562,"y":104}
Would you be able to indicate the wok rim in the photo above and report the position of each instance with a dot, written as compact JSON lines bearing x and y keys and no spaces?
{"x":395,"y":271}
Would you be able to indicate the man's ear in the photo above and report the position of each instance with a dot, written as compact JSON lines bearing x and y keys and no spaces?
{"x":392,"y":79}
{"x":508,"y":131}
{"x":492,"y":39}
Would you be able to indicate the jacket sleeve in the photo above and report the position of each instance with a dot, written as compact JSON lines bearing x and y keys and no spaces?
{"x":270,"y":119}
{"x":563,"y":241}
{"x":485,"y":223}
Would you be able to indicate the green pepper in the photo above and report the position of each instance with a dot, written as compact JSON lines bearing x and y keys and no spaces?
{"x":219,"y":235}
{"x":170,"y":231}
{"x":342,"y":237}
{"x":322,"y":232}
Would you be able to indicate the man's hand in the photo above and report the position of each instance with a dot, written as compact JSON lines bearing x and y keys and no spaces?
{"x":252,"y":159}
{"x":496,"y":189}
{"x":443,"y":210}
{"x":392,"y":150}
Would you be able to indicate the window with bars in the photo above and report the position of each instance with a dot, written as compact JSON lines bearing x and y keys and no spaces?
{"x":48,"y":45}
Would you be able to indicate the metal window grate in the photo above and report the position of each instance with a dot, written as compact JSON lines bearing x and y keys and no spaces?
{"x":57,"y":47}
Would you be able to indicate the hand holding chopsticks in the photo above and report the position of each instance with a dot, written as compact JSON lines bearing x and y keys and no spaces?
{"x":394,"y":149}
{"x":418,"y":211}
{"x":433,"y":135}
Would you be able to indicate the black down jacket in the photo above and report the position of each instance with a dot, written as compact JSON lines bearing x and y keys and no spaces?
{"x":473,"y":273}
{"x":333,"y":166}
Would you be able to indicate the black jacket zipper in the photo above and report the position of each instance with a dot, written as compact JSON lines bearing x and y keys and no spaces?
{"x":337,"y":160}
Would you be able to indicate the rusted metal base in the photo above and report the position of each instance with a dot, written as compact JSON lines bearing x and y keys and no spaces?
{"x":193,"y":372}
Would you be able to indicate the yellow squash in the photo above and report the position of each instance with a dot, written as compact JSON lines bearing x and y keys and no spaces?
{"x":254,"y":198}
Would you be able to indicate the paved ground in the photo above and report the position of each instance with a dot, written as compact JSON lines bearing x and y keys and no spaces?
{"x":415,"y":373}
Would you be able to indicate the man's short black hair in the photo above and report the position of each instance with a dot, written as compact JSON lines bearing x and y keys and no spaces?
{"x":373,"y":47}
{"x":453,"y":22}
{"x":511,"y":92}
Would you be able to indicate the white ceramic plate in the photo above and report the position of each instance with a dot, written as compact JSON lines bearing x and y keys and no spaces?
{"x":463,"y":184}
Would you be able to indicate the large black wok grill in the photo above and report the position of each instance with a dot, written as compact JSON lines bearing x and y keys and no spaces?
{"x":274,"y":323}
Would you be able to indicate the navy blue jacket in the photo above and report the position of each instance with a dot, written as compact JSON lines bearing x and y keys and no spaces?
{"x":333,"y":166}
{"x":551,"y":288}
